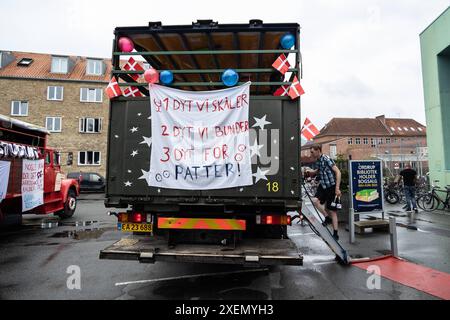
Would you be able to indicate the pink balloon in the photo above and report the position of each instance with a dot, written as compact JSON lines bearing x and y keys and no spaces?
{"x":125,"y":44}
{"x":151,"y":75}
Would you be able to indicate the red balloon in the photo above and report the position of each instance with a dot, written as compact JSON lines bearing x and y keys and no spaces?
{"x":126,"y":44}
{"x":151,"y":75}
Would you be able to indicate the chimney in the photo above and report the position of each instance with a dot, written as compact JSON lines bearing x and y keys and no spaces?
{"x":382,"y":118}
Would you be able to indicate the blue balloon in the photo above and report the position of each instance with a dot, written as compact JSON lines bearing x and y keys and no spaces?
{"x":287,"y":41}
{"x":230,"y":77}
{"x":166,"y":77}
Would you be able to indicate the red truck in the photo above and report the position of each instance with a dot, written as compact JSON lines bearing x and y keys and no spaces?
{"x":21,"y":141}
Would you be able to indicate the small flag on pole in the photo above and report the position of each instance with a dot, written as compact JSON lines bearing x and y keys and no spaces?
{"x":132,"y":92}
{"x":309,"y":130}
{"x":296,"y":89}
{"x":113,"y":88}
{"x":282,"y":91}
{"x":281,"y":64}
{"x":133,"y":65}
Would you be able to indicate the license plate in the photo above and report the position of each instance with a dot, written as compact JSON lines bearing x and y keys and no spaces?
{"x":135,"y":227}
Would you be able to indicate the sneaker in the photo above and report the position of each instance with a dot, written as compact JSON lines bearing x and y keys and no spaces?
{"x":336,"y":237}
{"x":327,"y":221}
{"x":408,"y":210}
{"x":416,"y":210}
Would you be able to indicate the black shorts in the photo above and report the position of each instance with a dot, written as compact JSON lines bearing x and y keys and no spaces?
{"x":326,"y":196}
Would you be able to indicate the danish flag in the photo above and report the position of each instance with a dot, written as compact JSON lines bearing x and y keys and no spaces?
{"x":133,"y":65}
{"x":282,"y":91}
{"x":113,"y":88}
{"x":296,"y":89}
{"x":281,"y":64}
{"x":132,"y":92}
{"x":309,"y":131}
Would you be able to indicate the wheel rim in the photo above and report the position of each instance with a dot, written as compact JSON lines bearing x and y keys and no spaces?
{"x":72,"y":203}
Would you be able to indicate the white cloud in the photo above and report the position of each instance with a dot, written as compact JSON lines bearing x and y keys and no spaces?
{"x":361,"y":58}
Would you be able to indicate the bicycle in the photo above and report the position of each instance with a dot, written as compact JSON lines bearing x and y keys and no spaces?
{"x":432,"y":201}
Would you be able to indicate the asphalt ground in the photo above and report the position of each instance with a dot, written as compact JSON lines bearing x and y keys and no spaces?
{"x":34,"y":263}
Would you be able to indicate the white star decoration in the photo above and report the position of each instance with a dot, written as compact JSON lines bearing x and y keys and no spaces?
{"x":134,"y":129}
{"x":116,"y":136}
{"x":134,"y":153}
{"x":146,"y":140}
{"x":129,"y":171}
{"x":261,"y":122}
{"x":128,"y":184}
{"x":254,"y":149}
{"x":149,"y":118}
{"x":260,"y":174}
{"x":139,"y":114}
{"x":145,"y":176}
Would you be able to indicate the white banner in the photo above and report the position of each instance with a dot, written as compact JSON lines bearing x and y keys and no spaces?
{"x":32,"y":184}
{"x":200,"y":139}
{"x":4,"y":178}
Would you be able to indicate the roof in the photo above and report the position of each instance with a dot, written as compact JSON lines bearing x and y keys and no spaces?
{"x":379,"y":126}
{"x":40,"y":68}
{"x":203,"y":46}
{"x":22,"y":124}
{"x":443,"y":12}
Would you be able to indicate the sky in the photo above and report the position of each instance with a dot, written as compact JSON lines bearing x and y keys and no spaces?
{"x":361,"y":58}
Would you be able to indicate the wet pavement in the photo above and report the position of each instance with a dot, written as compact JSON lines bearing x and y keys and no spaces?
{"x":34,"y":260}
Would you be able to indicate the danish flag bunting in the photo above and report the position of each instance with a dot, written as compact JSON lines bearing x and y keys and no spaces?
{"x":113,"y":88}
{"x":282,"y":91}
{"x":133,"y":65}
{"x":132,"y":92}
{"x":309,"y":131}
{"x":296,"y":89}
{"x":281,"y":64}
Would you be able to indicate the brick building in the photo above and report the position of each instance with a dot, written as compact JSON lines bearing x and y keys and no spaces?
{"x":65,"y":94}
{"x":395,"y":141}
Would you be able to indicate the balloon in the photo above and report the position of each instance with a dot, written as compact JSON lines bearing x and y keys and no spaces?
{"x":287,"y":41}
{"x":151,"y":75}
{"x":125,"y":44}
{"x":230,"y":77}
{"x":166,"y":77}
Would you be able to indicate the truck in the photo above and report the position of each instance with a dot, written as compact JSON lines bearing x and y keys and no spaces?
{"x":21,"y":141}
{"x":245,"y":225}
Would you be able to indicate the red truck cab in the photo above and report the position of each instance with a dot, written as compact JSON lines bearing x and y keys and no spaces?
{"x":21,"y":140}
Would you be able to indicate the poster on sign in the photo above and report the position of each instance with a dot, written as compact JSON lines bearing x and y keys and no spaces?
{"x":4,"y":178}
{"x":32,"y":184}
{"x":200,"y":139}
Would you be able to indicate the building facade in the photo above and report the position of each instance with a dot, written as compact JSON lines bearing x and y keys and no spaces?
{"x":65,"y":95}
{"x":435,"y":49}
{"x":395,"y":141}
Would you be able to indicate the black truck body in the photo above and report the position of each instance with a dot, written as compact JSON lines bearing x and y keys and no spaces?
{"x":197,"y":54}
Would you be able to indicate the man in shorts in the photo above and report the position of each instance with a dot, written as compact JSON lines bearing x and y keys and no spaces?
{"x":329,"y":181}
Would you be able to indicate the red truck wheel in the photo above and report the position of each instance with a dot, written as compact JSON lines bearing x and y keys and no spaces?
{"x":69,"y":206}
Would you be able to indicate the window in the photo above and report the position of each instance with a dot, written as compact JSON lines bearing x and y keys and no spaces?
{"x":95,"y":178}
{"x":358,"y":140}
{"x":86,"y":158}
{"x":25,"y":62}
{"x":55,"y":93}
{"x":94,"y":67}
{"x":90,"y":125}
{"x":388,"y":140}
{"x":350,"y":141}
{"x":392,"y":128}
{"x":19,"y":108}
{"x":420,"y":129}
{"x":380,"y":140}
{"x":59,"y":64}
{"x":366,"y":140}
{"x":399,"y":129}
{"x":333,"y":151}
{"x":53,"y":124}
{"x":56,"y":158}
{"x":412,"y":129}
{"x":91,"y":95}
{"x":372,"y":142}
{"x":405,"y":128}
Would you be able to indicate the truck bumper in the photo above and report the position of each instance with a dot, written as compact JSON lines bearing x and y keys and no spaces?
{"x":249,"y":252}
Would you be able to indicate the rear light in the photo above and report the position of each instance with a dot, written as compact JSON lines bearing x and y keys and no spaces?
{"x":123,"y":217}
{"x":273,"y":219}
{"x":135,"y":217}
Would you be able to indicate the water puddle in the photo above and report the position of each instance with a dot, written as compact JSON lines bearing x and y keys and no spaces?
{"x":93,"y":233}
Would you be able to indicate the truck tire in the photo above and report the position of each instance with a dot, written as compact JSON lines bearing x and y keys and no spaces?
{"x":69,"y":206}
